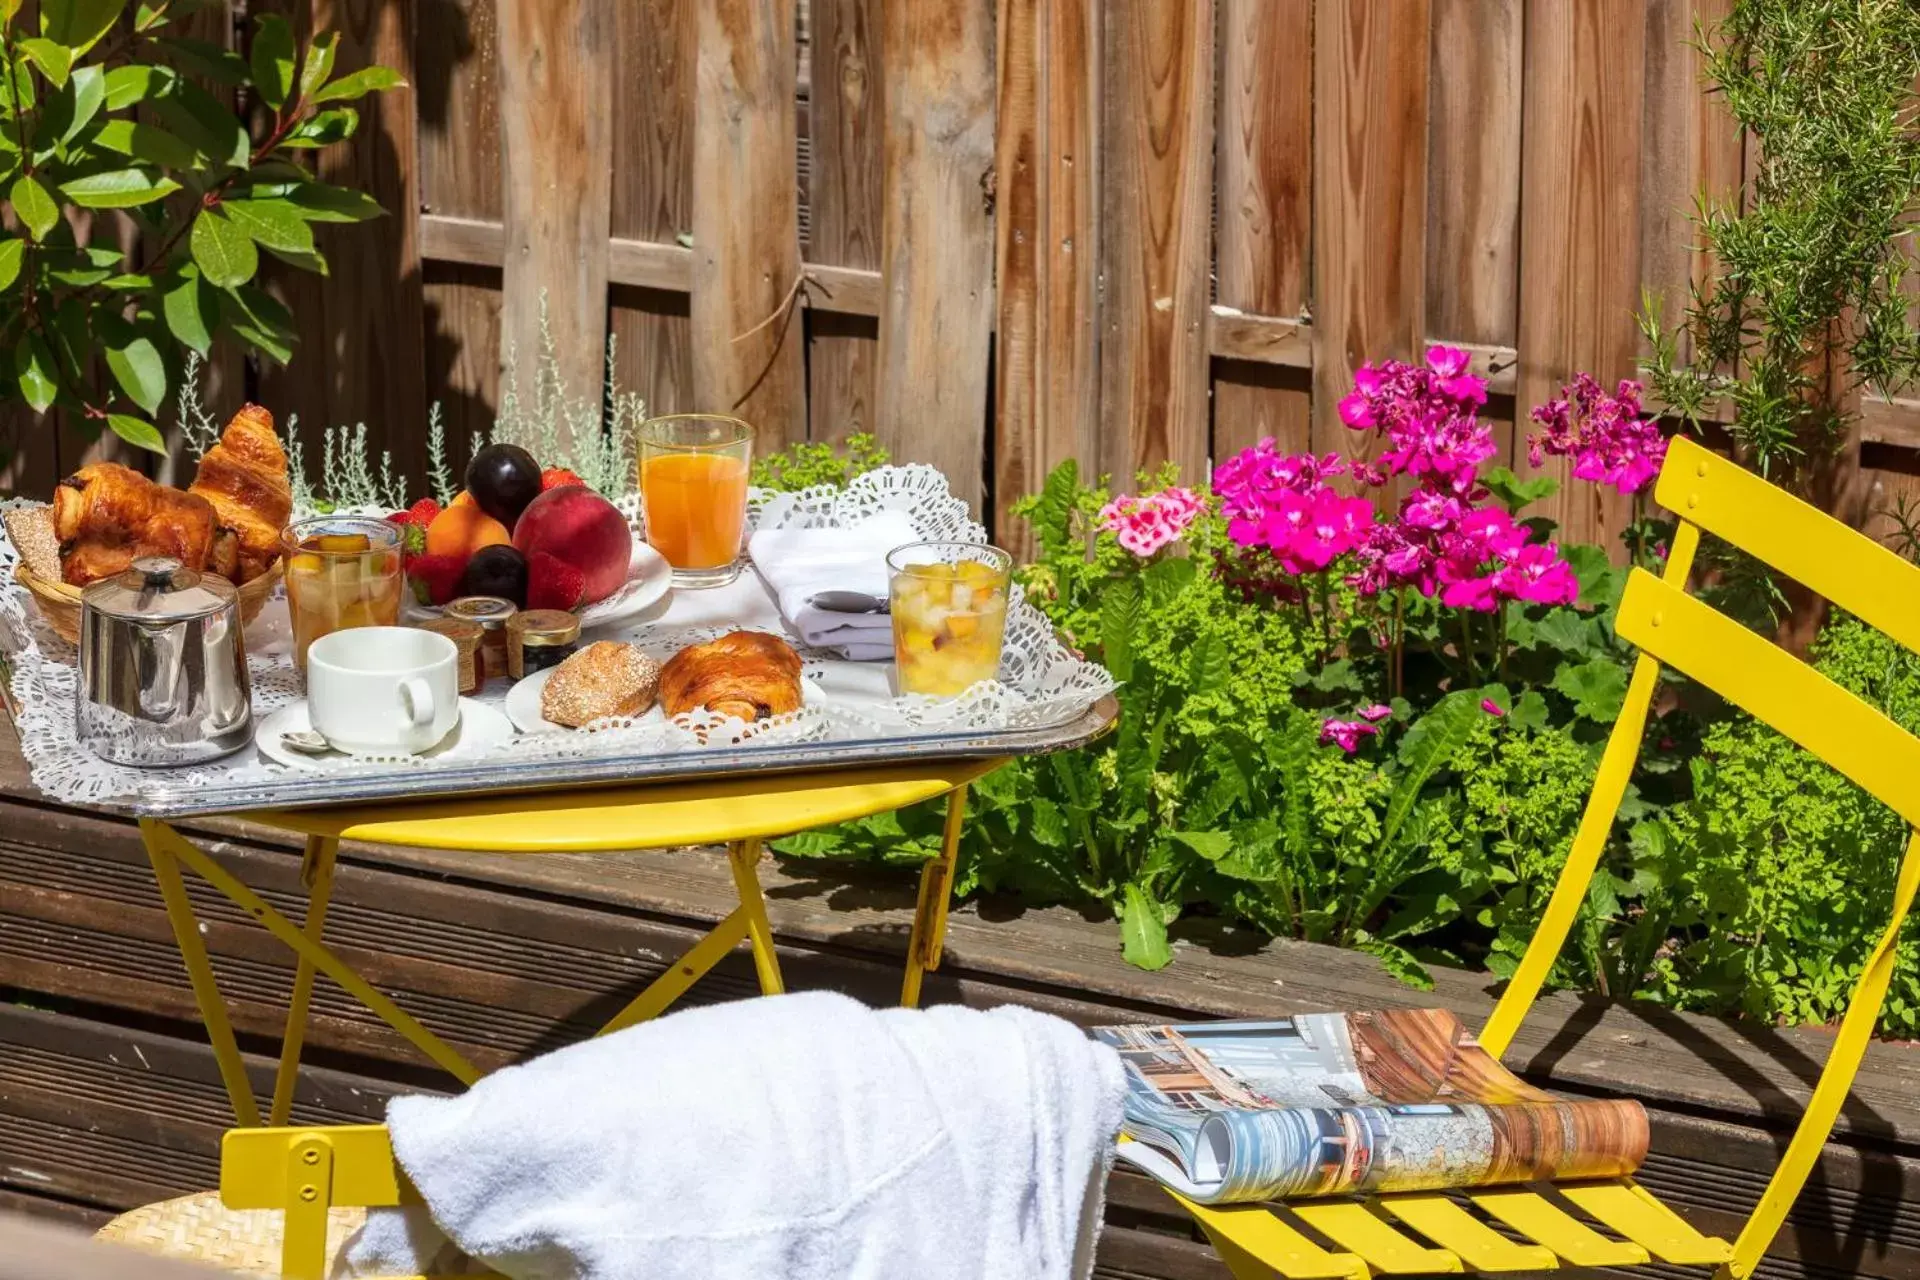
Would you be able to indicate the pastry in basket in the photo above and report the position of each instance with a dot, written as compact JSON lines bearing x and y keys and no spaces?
{"x":244,"y":477}
{"x":106,"y":516}
{"x":746,"y":674}
{"x":604,"y":679}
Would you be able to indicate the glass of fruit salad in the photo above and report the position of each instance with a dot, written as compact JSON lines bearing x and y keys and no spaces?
{"x":949,"y":602}
{"x":342,"y":572}
{"x":693,"y":493}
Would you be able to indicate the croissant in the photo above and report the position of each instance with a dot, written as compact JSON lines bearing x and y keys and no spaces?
{"x":747,"y":674}
{"x":244,"y":476}
{"x":106,"y":516}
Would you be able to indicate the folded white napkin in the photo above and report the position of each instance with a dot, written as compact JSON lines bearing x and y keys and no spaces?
{"x":798,"y":564}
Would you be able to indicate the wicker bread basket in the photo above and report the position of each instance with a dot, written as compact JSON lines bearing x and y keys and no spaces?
{"x":60,"y":603}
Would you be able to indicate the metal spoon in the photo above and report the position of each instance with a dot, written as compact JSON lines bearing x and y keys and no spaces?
{"x":848,"y":602}
{"x":306,"y":742}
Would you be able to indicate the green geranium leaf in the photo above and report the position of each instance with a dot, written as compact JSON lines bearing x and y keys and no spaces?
{"x":137,"y":432}
{"x":1514,"y":492}
{"x":224,"y":252}
{"x":138,"y":369}
{"x":33,"y":366}
{"x":272,"y":58}
{"x":54,"y":60}
{"x":359,"y":84}
{"x":1594,"y":570}
{"x":1143,"y":930}
{"x":319,"y":64}
{"x":34,"y":206}
{"x":1530,"y":712}
{"x":204,"y":58}
{"x":131,"y":84}
{"x":77,"y":24}
{"x":1596,"y":689}
{"x":319,"y":202}
{"x":274,"y":223}
{"x":191,"y":312}
{"x":119,"y":189}
{"x":335,"y":124}
{"x":11,"y":252}
{"x":147,"y":142}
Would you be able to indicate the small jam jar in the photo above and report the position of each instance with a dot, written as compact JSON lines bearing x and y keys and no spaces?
{"x":491,"y":613}
{"x":540,"y":639}
{"x":466,"y":638}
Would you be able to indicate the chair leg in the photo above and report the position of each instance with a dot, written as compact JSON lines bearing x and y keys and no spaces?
{"x":929,"y":937}
{"x":316,"y":872}
{"x":744,"y":855}
{"x":1836,"y":1079}
{"x":193,"y":953}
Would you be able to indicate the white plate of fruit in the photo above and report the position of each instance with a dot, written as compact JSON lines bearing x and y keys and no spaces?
{"x":540,"y":538}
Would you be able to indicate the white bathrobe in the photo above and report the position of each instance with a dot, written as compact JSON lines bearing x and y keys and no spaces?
{"x":795,"y":1137}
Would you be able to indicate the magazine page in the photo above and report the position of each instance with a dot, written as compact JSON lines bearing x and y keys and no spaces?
{"x":1328,"y":1104}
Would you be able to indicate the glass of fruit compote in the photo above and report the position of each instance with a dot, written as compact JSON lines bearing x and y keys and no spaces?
{"x":342,"y":572}
{"x":949,"y":602}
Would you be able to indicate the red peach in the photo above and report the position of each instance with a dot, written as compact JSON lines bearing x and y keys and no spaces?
{"x":574,"y":524}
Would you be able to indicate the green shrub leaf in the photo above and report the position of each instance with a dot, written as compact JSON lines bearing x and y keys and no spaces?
{"x":34,"y":206}
{"x":119,"y":188}
{"x":358,"y":84}
{"x":54,"y":60}
{"x":272,"y":57}
{"x":33,"y":366}
{"x":191,"y":312}
{"x":319,"y":62}
{"x":147,"y":142}
{"x":136,"y":83}
{"x":11,"y":252}
{"x":137,"y":432}
{"x":204,"y":58}
{"x":275,"y":224}
{"x":77,"y":24}
{"x":137,"y":367}
{"x":335,"y":124}
{"x":319,"y":202}
{"x":1119,"y":615}
{"x":225,"y":253}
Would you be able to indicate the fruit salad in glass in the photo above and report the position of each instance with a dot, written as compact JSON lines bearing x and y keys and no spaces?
{"x":949,"y":602}
{"x":342,"y":572}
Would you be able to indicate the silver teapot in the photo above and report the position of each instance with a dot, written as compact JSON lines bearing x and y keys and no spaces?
{"x":163,"y":667}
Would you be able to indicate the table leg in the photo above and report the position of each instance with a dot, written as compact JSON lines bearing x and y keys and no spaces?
{"x":316,"y":873}
{"x":193,"y":953}
{"x":930,"y":913}
{"x":744,"y":855}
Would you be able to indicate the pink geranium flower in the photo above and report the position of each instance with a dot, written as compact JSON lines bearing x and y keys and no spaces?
{"x":1143,"y":525}
{"x":1537,"y":575}
{"x":1607,"y":437}
{"x":1491,"y":707}
{"x":1377,"y":712}
{"x":1348,"y":734}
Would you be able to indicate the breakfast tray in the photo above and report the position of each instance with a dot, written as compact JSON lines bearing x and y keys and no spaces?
{"x":1048,"y":698}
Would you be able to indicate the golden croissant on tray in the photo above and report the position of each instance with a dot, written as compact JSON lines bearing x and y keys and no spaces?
{"x":106,"y":516}
{"x":746,"y":674}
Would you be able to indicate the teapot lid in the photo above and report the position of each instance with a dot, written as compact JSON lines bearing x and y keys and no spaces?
{"x":159,"y":589}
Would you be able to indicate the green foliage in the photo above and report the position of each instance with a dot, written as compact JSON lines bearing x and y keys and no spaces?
{"x":806,"y":465}
{"x":104,"y":107}
{"x":1816,"y":257}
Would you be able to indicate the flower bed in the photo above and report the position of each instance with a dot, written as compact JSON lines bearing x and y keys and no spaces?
{"x":1363,"y":701}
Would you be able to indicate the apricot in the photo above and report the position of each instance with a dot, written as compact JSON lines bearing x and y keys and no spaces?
{"x":462,"y":499}
{"x":463,"y":529}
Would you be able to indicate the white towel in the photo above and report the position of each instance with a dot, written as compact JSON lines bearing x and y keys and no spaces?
{"x":800,"y":563}
{"x":799,"y":1137}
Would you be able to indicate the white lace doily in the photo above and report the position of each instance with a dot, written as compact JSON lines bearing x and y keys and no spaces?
{"x":1041,"y":683}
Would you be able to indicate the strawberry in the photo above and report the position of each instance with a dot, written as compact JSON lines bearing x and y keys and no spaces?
{"x":552,"y":583}
{"x":435,"y":579}
{"x":413,"y":538}
{"x":419,"y":515}
{"x":554,"y":477}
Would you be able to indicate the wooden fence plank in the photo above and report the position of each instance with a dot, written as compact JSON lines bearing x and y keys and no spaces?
{"x":844,"y":196}
{"x":936,"y":239}
{"x":1370,"y":66}
{"x":653,"y":193}
{"x":1157,"y":139}
{"x":557,"y":155}
{"x":1019,"y":182}
{"x":1580,"y":224}
{"x":1473,"y":191}
{"x":747,"y":357}
{"x":362,"y":329}
{"x":1264,"y":172}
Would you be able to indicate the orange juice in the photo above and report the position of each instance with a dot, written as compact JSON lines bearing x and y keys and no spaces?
{"x":696,"y":507}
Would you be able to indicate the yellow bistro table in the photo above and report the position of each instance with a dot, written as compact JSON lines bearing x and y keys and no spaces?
{"x":740,"y":812}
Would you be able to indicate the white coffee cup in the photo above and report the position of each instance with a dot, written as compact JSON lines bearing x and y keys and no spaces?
{"x":383,"y":690}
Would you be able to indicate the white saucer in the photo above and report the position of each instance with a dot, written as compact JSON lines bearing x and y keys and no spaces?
{"x":523,"y":704}
{"x":479,"y":730}
{"x":649,"y":579}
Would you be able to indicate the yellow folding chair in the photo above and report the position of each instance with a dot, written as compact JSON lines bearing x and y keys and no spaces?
{"x":1425,"y":1233}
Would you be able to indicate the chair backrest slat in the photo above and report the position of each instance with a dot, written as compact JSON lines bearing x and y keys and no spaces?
{"x":1801,"y":541}
{"x":254,"y":1167}
{"x":1772,"y":685}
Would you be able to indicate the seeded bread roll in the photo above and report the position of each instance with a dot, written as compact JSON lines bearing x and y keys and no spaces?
{"x":604,"y":679}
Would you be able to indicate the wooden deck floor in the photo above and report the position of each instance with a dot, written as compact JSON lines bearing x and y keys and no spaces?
{"x":108,"y":1096}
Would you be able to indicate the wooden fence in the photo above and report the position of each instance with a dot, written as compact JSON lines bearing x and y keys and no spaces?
{"x":1001,"y":233}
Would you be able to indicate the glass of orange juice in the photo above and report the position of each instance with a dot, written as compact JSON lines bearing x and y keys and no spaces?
{"x":342,"y":572}
{"x":693,"y":493}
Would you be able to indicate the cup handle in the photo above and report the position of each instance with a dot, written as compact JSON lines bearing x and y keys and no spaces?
{"x":416,"y":698}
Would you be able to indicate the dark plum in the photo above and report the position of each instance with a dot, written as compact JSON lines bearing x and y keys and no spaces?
{"x":503,"y":479}
{"x":496,"y":571}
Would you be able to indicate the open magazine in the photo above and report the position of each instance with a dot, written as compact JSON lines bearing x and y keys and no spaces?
{"x":1330,"y":1103}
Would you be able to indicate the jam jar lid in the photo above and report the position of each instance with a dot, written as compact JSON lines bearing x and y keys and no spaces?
{"x":159,"y":589}
{"x":544,"y":627}
{"x":490,"y":612}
